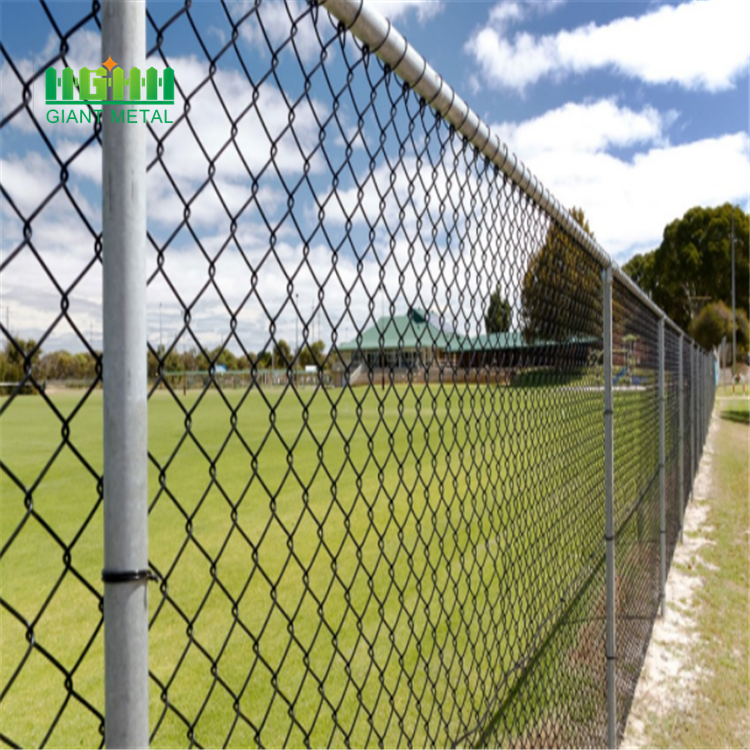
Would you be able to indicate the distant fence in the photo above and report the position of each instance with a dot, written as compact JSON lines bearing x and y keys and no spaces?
{"x":470,"y":548}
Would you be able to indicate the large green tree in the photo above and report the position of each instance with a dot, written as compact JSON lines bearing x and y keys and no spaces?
{"x":499,"y":315}
{"x":561,"y":291}
{"x":693,"y":264}
{"x":714,"y":323}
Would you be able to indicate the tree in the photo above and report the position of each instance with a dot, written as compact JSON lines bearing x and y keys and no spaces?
{"x":693,"y":264}
{"x":264,"y":361}
{"x":170,"y":362}
{"x":499,"y":315}
{"x":57,"y":365}
{"x":561,"y":290}
{"x":189,"y":360}
{"x":312,"y":354}
{"x":714,"y":322}
{"x":282,"y":354}
{"x":640,"y":268}
{"x":223,"y":356}
{"x":14,"y":359}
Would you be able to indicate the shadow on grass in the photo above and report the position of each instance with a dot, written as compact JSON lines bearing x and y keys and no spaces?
{"x":736,"y":415}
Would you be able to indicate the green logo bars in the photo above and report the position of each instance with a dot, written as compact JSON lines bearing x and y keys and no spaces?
{"x":95,"y":89}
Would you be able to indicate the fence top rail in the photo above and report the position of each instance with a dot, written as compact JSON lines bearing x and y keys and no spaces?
{"x":391,"y":47}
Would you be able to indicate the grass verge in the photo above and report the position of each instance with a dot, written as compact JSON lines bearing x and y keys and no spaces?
{"x":720,"y":715}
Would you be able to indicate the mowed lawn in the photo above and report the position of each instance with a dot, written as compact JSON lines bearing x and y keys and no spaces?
{"x":337,"y":567}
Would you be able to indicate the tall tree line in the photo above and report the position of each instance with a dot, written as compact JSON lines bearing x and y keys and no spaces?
{"x":690,"y":274}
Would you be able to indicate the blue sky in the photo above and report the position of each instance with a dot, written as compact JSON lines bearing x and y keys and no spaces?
{"x":634,"y":111}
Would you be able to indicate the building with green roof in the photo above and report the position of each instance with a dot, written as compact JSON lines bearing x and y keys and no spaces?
{"x":416,"y":342}
{"x":399,"y":342}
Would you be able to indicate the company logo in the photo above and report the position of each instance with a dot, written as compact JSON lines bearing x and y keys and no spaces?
{"x":107,"y":85}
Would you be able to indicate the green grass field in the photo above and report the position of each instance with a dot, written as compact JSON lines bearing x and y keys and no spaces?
{"x":339,"y":567}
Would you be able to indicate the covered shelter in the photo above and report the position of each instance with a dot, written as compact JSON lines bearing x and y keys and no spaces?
{"x":399,"y":342}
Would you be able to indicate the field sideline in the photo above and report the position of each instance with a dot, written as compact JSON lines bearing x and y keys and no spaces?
{"x":377,"y":561}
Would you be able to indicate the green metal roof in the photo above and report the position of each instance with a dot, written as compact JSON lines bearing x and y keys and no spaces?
{"x":414,"y":331}
{"x":410,"y":331}
{"x":486,"y":342}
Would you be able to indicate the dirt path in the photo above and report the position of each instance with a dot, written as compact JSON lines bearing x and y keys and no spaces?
{"x":670,"y":677}
{"x":694,"y":689}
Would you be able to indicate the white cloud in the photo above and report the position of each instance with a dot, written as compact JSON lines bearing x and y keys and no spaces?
{"x":11,"y":91}
{"x":63,"y":250}
{"x":83,"y":49}
{"x":696,"y":45}
{"x":629,"y":201}
{"x":277,"y":19}
{"x":513,"y":12}
{"x":507,"y":13}
{"x":262,"y":130}
{"x":414,"y":272}
{"x":425,"y":10}
{"x":591,"y":127}
{"x":219,"y":33}
{"x":30,"y":180}
{"x":409,"y":210}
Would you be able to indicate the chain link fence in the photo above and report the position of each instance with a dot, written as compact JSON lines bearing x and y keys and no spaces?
{"x":51,"y":626}
{"x":375,"y":349}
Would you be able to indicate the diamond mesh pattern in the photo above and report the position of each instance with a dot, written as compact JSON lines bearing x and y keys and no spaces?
{"x":636,"y":407}
{"x":50,"y":542}
{"x":672,"y":437}
{"x":400,"y":545}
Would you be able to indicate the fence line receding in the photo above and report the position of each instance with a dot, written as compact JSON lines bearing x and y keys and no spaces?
{"x":418,"y":451}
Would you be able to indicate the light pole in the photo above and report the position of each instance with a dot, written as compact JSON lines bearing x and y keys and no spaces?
{"x":160,"y":339}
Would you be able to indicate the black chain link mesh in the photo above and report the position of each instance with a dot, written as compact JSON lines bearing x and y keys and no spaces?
{"x":50,"y":540}
{"x":687,"y":395}
{"x":402,"y":545}
{"x":672,"y":437}
{"x":636,"y":406}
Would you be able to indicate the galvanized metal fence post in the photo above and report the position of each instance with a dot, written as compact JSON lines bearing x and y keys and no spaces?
{"x":702,"y":370}
{"x":702,"y":361}
{"x":701,"y":397}
{"x":125,"y":572}
{"x":662,"y":479}
{"x":706,"y":391}
{"x":697,"y":410}
{"x":693,"y":431}
{"x":709,"y":381}
{"x":699,"y":369}
{"x":681,"y":434}
{"x":705,"y":397}
{"x":707,"y":367}
{"x":714,"y":378}
{"x":609,"y":492}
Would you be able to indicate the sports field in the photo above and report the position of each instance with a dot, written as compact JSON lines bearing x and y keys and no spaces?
{"x":338,"y":567}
